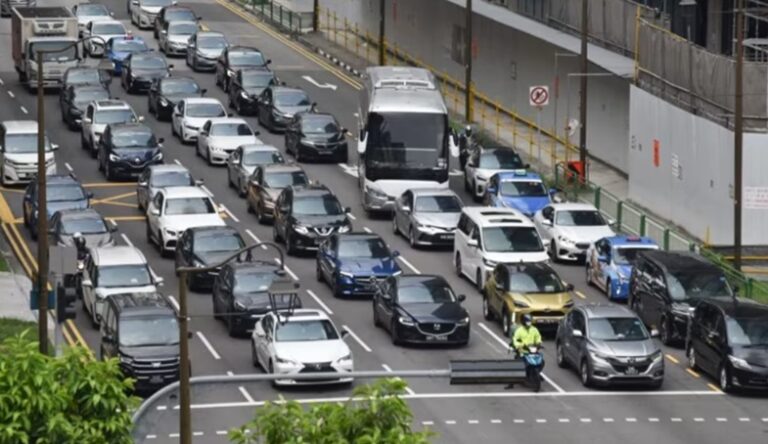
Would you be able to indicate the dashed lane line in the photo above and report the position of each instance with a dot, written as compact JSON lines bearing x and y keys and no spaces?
{"x":68,"y":167}
{"x":10,"y":93}
{"x":408,"y":264}
{"x":287,"y":270}
{"x":24,"y":110}
{"x":229,"y":213}
{"x":357,"y":338}
{"x":242,"y":389}
{"x":580,"y":294}
{"x":174,"y":302}
{"x":352,"y":216}
{"x":367,"y":230}
{"x":206,"y":191}
{"x":407,"y":389}
{"x":208,"y":345}
{"x":693,"y":373}
{"x":255,"y":238}
{"x":672,"y":358}
{"x":319,"y":301}
{"x":126,"y":240}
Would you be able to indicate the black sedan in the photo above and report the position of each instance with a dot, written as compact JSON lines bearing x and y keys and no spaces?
{"x":126,"y":149}
{"x":241,"y":298}
{"x":246,"y":87}
{"x":140,"y":69}
{"x":74,"y":99}
{"x":316,"y":136}
{"x":166,"y":92}
{"x":205,"y":246}
{"x":420,"y":309}
{"x":235,"y":58}
{"x":278,"y":104}
{"x":83,"y":75}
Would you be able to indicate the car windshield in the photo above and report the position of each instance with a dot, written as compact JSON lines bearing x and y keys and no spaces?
{"x":408,"y":140}
{"x":85,"y":96}
{"x":371,"y":248}
{"x":282,"y":180}
{"x":172,"y":15}
{"x":231,"y":129}
{"x":218,"y":241}
{"x":253,"y":281}
{"x":171,"y":179}
{"x":148,"y":331}
{"x":429,"y":292}
{"x":83,"y":225}
{"x":579,"y":218}
{"x":113,"y":116}
{"x":500,"y":160}
{"x":148,"y":63}
{"x":92,"y":10}
{"x":747,"y":331}
{"x":246,"y":58}
{"x":520,"y":188}
{"x":217,"y":42}
{"x":153,"y":3}
{"x":205,"y":110}
{"x":291,"y":98}
{"x":258,"y":79}
{"x":180,"y":86}
{"x":437,"y":204}
{"x":133,"y":139}
{"x":535,"y":281}
{"x":262,"y":157}
{"x":189,"y":205}
{"x":64,"y":193}
{"x":83,"y":77}
{"x":124,"y":276}
{"x":325,"y":205}
{"x":685,"y":284}
{"x":61,"y":51}
{"x":107,"y":28}
{"x":182,"y":29}
{"x":617,"y":329}
{"x":627,"y":255}
{"x":511,"y":240}
{"x":133,"y":45}
{"x":298,"y":331}
{"x":319,"y":124}
{"x":23,"y":143}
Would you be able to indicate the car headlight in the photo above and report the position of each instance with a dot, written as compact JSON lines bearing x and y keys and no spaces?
{"x":244,"y":95}
{"x":347,"y":357}
{"x":281,"y":360}
{"x":346,"y":274}
{"x":308,"y":142}
{"x":596,"y":355}
{"x":239,"y":305}
{"x":344,"y":229}
{"x":656,"y":356}
{"x":463,"y":322}
{"x":406,"y":321}
{"x":230,"y":73}
{"x":375,"y":192}
{"x":568,"y":304}
{"x":520,"y":304}
{"x":126,"y":359}
{"x":163,"y":102}
{"x":301,"y":229}
{"x":169,"y":232}
{"x":481,"y":178}
{"x":158,"y":156}
{"x":190,"y":127}
{"x":565,"y":240}
{"x":114,"y":158}
{"x":739,"y":363}
{"x":489,"y":263}
{"x":216,"y":149}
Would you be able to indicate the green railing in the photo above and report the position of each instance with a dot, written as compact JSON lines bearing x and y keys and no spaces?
{"x":278,"y":15}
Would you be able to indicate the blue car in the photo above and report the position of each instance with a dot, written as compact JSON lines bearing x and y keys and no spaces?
{"x":519,"y":190}
{"x":62,"y":193}
{"x":350,"y":263}
{"x":610,"y":261}
{"x":118,"y":49}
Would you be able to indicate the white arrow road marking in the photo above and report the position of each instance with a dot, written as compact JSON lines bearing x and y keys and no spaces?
{"x":323,"y":86}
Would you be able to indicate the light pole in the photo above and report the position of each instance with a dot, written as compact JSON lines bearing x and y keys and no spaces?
{"x":738,"y":132}
{"x":583,"y":92}
{"x":382,"y":25}
{"x":42,"y":203}
{"x":469,"y":98}
{"x":185,"y":407}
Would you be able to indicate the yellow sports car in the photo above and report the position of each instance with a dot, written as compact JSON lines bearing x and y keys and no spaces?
{"x":513,"y":290}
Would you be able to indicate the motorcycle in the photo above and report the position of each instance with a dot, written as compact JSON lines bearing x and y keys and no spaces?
{"x":534,"y":364}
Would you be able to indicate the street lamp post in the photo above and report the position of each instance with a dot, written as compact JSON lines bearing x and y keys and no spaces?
{"x":738,"y":132}
{"x":583,"y":91}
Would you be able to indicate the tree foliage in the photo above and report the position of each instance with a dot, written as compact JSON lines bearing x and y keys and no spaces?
{"x":70,"y":399}
{"x":376,"y":414}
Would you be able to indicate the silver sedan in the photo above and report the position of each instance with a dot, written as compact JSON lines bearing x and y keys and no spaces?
{"x":427,"y":216}
{"x":244,"y":160}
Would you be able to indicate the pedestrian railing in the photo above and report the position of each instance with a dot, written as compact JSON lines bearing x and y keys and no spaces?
{"x":280,"y":16}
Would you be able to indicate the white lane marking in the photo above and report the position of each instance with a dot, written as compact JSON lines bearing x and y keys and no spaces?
{"x":125,"y":238}
{"x":495,"y":421}
{"x":407,"y":389}
{"x":357,"y":338}
{"x":367,"y":230}
{"x":698,"y":419}
{"x":206,"y":191}
{"x":630,"y":419}
{"x":427,"y":423}
{"x":174,"y":302}
{"x":506,"y":345}
{"x":208,"y":345}
{"x":246,"y":395}
{"x":68,"y":166}
{"x":586,"y":420}
{"x":518,"y":421}
{"x":254,"y":237}
{"x":450,"y":422}
{"x":744,"y":419}
{"x":676,"y":419}
{"x":764,"y":419}
{"x":177,"y":162}
{"x":410,"y":265}
{"x":348,"y":169}
{"x":230,"y":373}
{"x":174,"y":435}
{"x":162,"y":407}
{"x":1,"y":82}
{"x":319,"y":85}
{"x":229,"y":213}
{"x":473,"y":421}
{"x":607,"y":419}
{"x":287,"y":270}
{"x":455,"y":172}
{"x":721,"y":419}
{"x":319,"y":301}
{"x":24,"y":110}
{"x":352,"y":216}
{"x":197,"y":433}
{"x":653,"y":419}
{"x":541,"y":421}
{"x":151,"y":437}
{"x":10,"y":93}
{"x":221,"y":432}
{"x":564,"y":420}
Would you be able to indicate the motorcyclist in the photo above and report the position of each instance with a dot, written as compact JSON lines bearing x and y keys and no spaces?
{"x":465,"y":144}
{"x":525,"y":335}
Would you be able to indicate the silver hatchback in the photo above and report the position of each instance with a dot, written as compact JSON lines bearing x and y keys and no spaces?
{"x":609,"y":344}
{"x":427,"y":216}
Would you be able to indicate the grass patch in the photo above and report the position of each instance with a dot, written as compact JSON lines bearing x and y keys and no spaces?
{"x":10,"y":327}
{"x":4,"y":264}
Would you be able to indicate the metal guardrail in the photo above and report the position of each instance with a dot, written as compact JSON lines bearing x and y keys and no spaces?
{"x":279,"y":15}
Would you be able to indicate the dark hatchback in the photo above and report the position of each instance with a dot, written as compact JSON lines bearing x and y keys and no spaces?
{"x":241,"y":298}
{"x":316,"y":136}
{"x":83,"y":75}
{"x":203,"y":247}
{"x":141,"y":69}
{"x":278,"y":104}
{"x":87,"y":224}
{"x":126,"y":149}
{"x":62,"y":192}
{"x":74,"y":99}
{"x":234,"y":58}
{"x":246,"y":86}
{"x":166,"y":92}
{"x":420,"y":309}
{"x":728,"y":339}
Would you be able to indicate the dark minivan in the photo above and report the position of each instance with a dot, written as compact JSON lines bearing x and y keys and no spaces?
{"x":140,"y":329}
{"x":666,"y":286}
{"x":728,"y":339}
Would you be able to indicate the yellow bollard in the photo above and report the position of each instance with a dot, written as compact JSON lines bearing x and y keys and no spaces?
{"x":530,"y":141}
{"x":335,"y":29}
{"x":346,"y":27}
{"x":357,"y":41}
{"x":498,"y":121}
{"x":328,"y":21}
{"x":514,"y":136}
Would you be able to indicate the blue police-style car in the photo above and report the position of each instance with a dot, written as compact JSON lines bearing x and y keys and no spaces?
{"x":351,"y":263}
{"x":63,"y":192}
{"x":519,"y":190}
{"x":118,"y":49}
{"x":610,"y":261}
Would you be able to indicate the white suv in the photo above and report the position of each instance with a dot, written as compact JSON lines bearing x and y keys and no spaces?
{"x":114,"y":270}
{"x":18,"y":152}
{"x":98,"y":115}
{"x":488,"y":236}
{"x":570,"y":228}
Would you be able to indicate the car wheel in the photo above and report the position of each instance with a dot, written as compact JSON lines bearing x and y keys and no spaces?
{"x":254,"y":358}
{"x":376,"y":320}
{"x":475,"y":197}
{"x":290,"y":248}
{"x":231,"y":330}
{"x":479,"y":280}
{"x":395,"y":229}
{"x":608,"y":291}
{"x":506,"y":323}
{"x":276,"y":234}
{"x":260,"y":215}
{"x":560,"y":355}
{"x":487,"y":313}
{"x":241,"y":191}
{"x":553,"y":251}
{"x":197,"y":150}
{"x":149,"y":235}
{"x":412,"y":238}
{"x":194,"y":64}
{"x":691,"y":354}
{"x":216,"y":314}
{"x":159,"y":236}
{"x":108,"y":172}
{"x":724,"y":379}
{"x":318,"y":273}
{"x":665,"y":332}
{"x":588,"y":275}
{"x":458,"y":265}
{"x":229,"y":179}
{"x":585,"y":373}
{"x":208,"y":156}
{"x":83,"y":143}
{"x":393,"y":333}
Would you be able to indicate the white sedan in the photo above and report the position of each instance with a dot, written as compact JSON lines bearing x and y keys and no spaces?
{"x":219,"y":137}
{"x":304,"y":341}
{"x":484,"y":163}
{"x":175,"y":209}
{"x":190,"y":115}
{"x":100,"y":32}
{"x":570,"y":228}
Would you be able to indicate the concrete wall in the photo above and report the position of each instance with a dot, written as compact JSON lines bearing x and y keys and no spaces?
{"x":507,"y":63}
{"x":692,"y":182}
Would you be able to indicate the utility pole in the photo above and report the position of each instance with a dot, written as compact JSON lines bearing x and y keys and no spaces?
{"x":738,"y":129}
{"x":584,"y":81}
{"x":469,"y":94}
{"x":316,"y":16}
{"x":42,"y":215}
{"x":185,"y":404}
{"x":382,"y":41}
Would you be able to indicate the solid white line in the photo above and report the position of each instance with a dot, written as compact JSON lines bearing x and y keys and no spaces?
{"x":254,"y":237}
{"x":495,"y":421}
{"x":564,"y":420}
{"x":174,"y":302}
{"x":177,"y":162}
{"x":125,"y":238}
{"x":229,"y":213}
{"x":246,"y":395}
{"x":407,"y":389}
{"x":68,"y":166}
{"x":221,"y":432}
{"x":410,"y":265}
{"x":319,"y":301}
{"x":450,"y":422}
{"x":208,"y":346}
{"x":206,"y":190}
{"x":1,"y":82}
{"x":653,"y":419}
{"x":356,"y":338}
{"x":24,"y":110}
{"x":473,"y":421}
{"x":10,"y":93}
{"x":505,"y":344}
{"x":427,"y":423}
{"x":367,"y":230}
{"x":351,"y":216}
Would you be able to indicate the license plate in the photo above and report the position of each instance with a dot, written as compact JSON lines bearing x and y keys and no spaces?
{"x":437,"y":338}
{"x":156,"y":379}
{"x":546,"y":321}
{"x":446,"y":236}
{"x":631,"y":371}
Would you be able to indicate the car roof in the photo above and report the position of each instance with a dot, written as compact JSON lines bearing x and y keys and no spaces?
{"x":511,"y":176}
{"x":212,"y":229}
{"x":357,"y":235}
{"x":256,"y":70}
{"x":241,"y":48}
{"x":255,"y":147}
{"x":222,"y":120}
{"x":303,"y":314}
{"x":60,"y":179}
{"x":148,"y":55}
{"x":210,"y":34}
{"x":20,"y":126}
{"x":739,"y":308}
{"x":167,"y":167}
{"x":673,"y":261}
{"x":564,"y":206}
{"x":250,"y":266}
{"x":112,"y":104}
{"x":171,"y":7}
{"x":182,"y":192}
{"x":281,"y":168}
{"x":193,"y":100}
{"x":281,"y":88}
{"x":315,"y":113}
{"x":180,"y":22}
{"x":107,"y":21}
{"x":415,"y":279}
{"x":490,"y":216}
{"x":311,"y":189}
{"x":87,"y":87}
{"x":142,"y":304}
{"x":117,"y":255}
{"x":623,"y":239}
{"x":526,"y":267}
{"x":79,"y":213}
{"x":129,"y":126}
{"x":432,"y":192}
{"x":607,"y":311}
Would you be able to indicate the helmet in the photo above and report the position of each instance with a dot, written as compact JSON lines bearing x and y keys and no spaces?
{"x":527,"y":319}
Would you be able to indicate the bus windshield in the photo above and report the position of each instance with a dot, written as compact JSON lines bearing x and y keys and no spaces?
{"x":407,"y":140}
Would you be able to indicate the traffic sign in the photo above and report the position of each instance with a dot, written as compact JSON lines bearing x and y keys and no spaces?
{"x":539,"y":95}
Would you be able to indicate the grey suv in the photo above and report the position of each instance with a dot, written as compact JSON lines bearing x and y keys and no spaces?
{"x":609,"y":344}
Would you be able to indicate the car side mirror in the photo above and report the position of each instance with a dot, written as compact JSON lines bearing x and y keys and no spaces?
{"x":89,"y":194}
{"x":142,"y":184}
{"x":602,"y":259}
{"x":472,"y":243}
{"x":159,"y":281}
{"x":107,"y":339}
{"x":141,"y":118}
{"x":406,"y":209}
{"x":190,"y":335}
{"x":547,"y":222}
{"x":199,"y":182}
{"x":170,"y":67}
{"x":344,"y":130}
{"x":269,"y":61}
{"x":395,"y":253}
{"x":347,"y":210}
{"x":160,"y":140}
{"x":576,"y":333}
{"x":163,"y":31}
{"x":736,"y":289}
{"x":654,"y":333}
{"x":491,"y":190}
{"x":344,"y":332}
{"x":113,"y":228}
{"x":154,"y":212}
{"x":54,"y":146}
{"x":203,"y":91}
{"x":86,"y":283}
{"x":569,"y":287}
{"x":462,"y":297}
{"x":111,"y":14}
